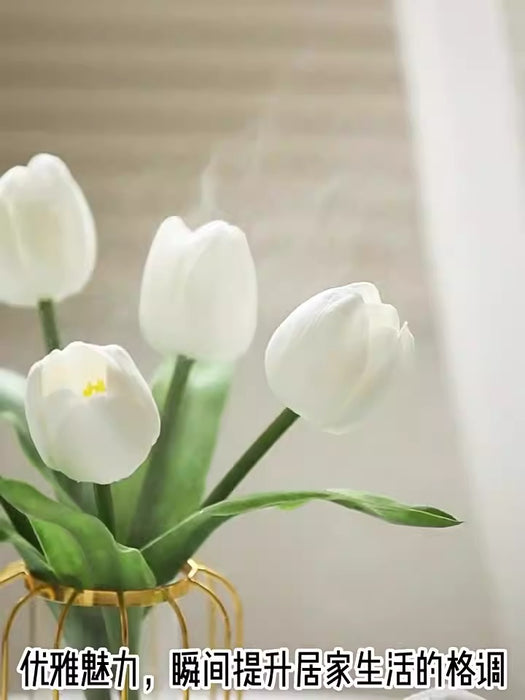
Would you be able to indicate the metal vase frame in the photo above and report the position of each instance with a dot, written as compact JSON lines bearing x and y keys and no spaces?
{"x":196,"y":577}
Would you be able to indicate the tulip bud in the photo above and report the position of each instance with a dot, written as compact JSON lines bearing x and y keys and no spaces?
{"x":335,"y":353}
{"x":199,"y":291}
{"x":47,"y":234}
{"x":90,"y":412}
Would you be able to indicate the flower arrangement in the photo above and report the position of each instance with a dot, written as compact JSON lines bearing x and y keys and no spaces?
{"x":127,"y":460}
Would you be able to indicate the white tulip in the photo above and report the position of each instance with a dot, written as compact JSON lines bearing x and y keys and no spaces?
{"x":47,"y":234}
{"x":199,"y":291}
{"x":90,"y":412}
{"x":335,"y":354}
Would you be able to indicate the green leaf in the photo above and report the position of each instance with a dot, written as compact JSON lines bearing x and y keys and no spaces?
{"x":12,"y":410}
{"x":190,"y":453}
{"x":12,"y":393}
{"x":21,"y":524}
{"x":166,"y":554}
{"x":79,"y":548}
{"x":33,"y":558}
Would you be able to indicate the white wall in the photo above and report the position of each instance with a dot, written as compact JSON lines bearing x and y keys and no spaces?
{"x":465,"y":117}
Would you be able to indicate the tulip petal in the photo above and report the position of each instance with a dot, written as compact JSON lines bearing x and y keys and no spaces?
{"x":383,"y":340}
{"x":406,"y":346}
{"x":221,"y":291}
{"x":77,"y":221}
{"x":382,"y":316}
{"x":364,"y":397}
{"x":132,"y":396}
{"x":389,"y":352}
{"x":34,"y":414}
{"x":15,"y":288}
{"x":129,"y":379}
{"x":368,"y":291}
{"x":162,"y":285}
{"x":101,"y":440}
{"x":73,"y":368}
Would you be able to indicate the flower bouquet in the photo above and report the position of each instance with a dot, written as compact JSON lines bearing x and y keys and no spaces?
{"x":127,"y":461}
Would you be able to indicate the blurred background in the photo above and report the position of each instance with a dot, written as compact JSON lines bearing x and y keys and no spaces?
{"x":363,"y":140}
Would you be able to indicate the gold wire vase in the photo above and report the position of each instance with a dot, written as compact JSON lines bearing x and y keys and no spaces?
{"x":195,"y":577}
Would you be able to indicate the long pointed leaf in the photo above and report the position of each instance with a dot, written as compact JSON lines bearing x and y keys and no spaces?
{"x":21,"y":524}
{"x":167,"y":554}
{"x":12,"y":393}
{"x":191,"y":451}
{"x":34,"y":559}
{"x":78,"y":546}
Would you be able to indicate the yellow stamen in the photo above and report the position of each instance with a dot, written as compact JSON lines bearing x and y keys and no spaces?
{"x":98,"y":387}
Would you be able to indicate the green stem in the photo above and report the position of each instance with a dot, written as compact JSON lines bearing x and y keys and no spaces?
{"x":46,"y":312}
{"x":252,"y":455}
{"x":155,"y":476}
{"x":98,"y":694}
{"x":104,"y":501}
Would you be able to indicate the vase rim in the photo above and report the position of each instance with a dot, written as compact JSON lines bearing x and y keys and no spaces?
{"x":83,"y":597}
